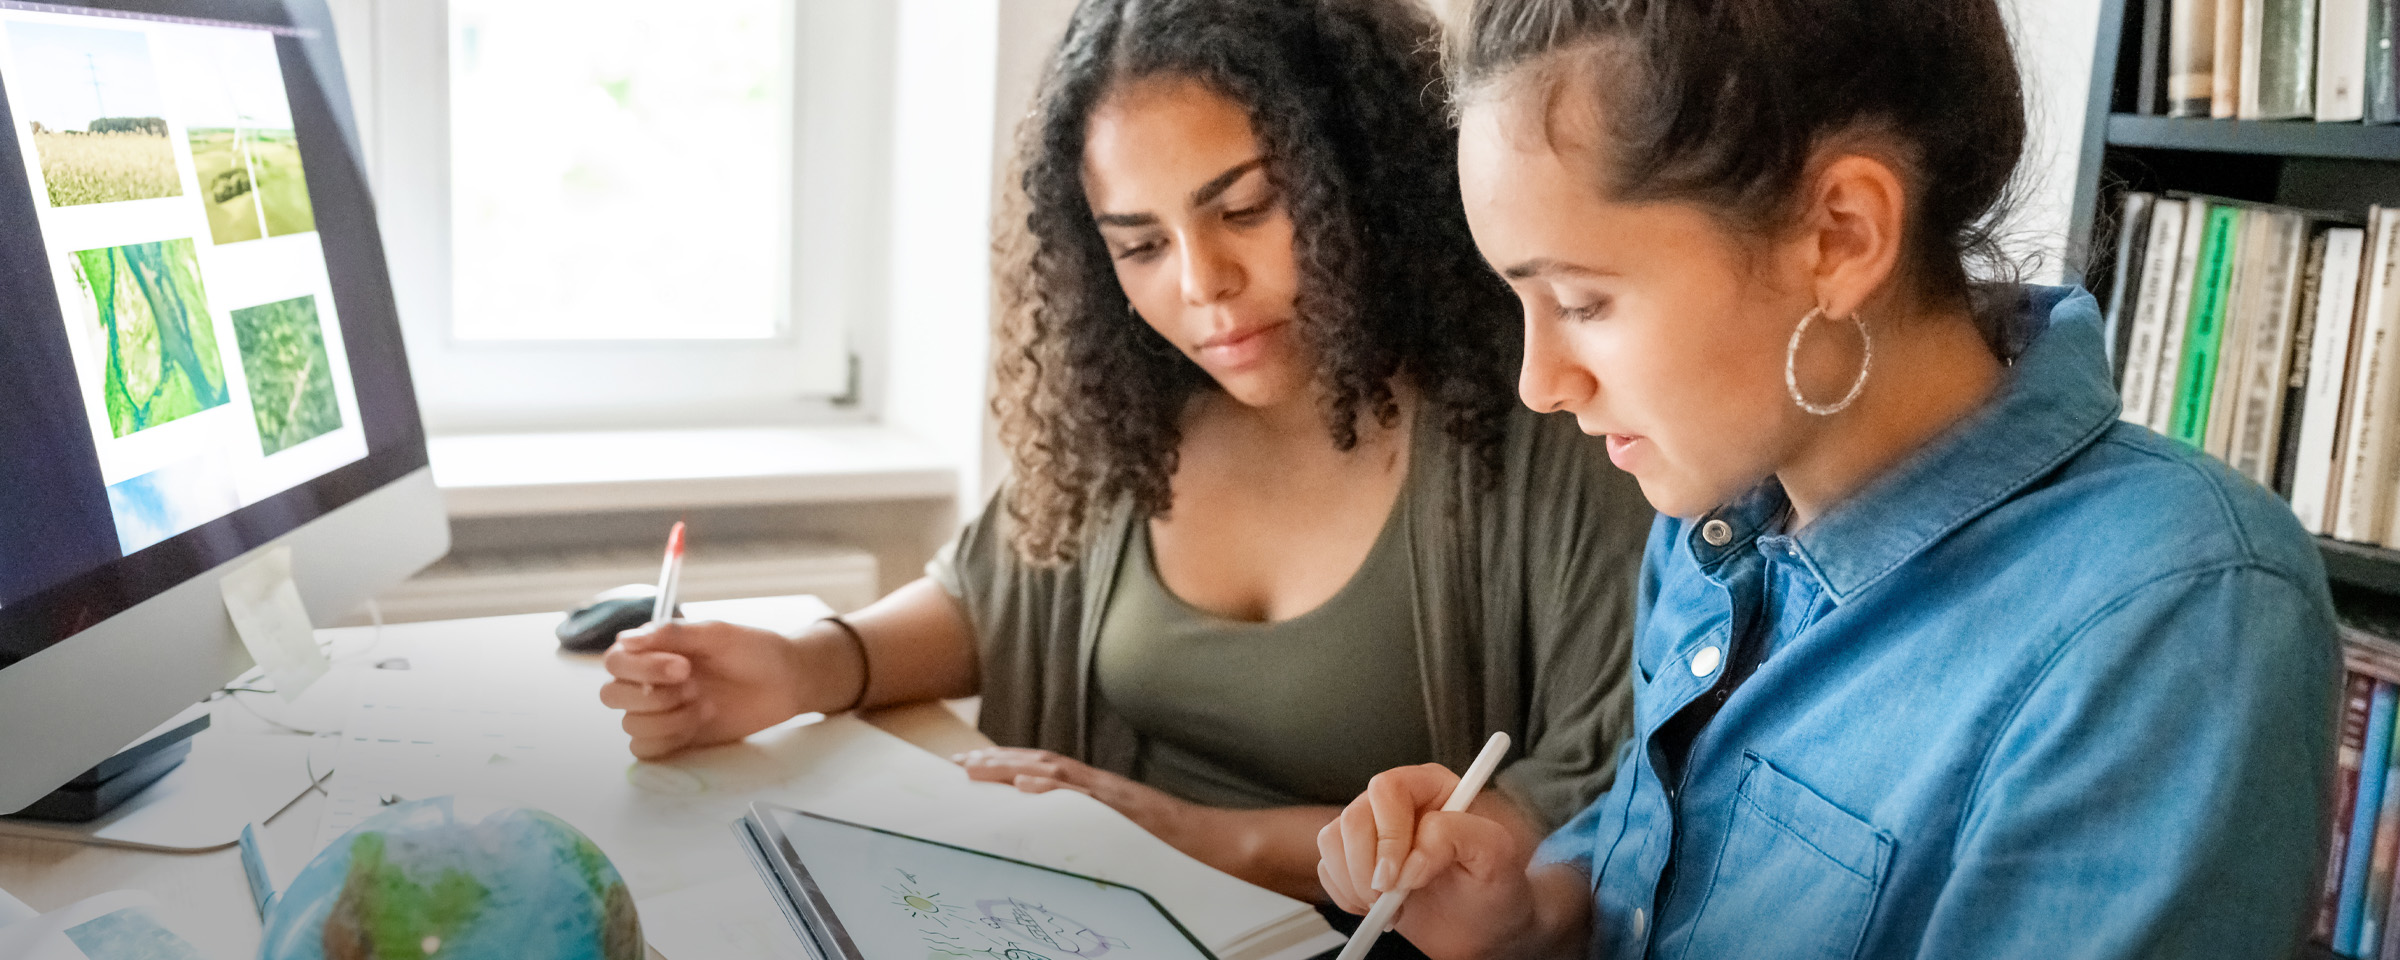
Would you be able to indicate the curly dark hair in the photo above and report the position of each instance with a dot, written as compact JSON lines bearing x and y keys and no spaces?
{"x":1348,"y":102}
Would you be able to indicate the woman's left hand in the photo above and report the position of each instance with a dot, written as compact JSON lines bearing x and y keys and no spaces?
{"x":1170,"y":819}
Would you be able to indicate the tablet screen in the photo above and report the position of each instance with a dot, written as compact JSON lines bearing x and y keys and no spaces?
{"x":901,"y":898}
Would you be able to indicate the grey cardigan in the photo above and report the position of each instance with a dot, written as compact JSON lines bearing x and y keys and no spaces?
{"x":1525,"y":594}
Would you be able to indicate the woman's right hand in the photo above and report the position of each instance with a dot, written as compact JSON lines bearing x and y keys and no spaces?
{"x":1469,"y":892}
{"x":687,"y":684}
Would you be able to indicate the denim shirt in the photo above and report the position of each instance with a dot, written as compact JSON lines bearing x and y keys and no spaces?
{"x":2053,"y":687}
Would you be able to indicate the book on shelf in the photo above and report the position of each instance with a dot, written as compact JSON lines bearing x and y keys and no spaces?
{"x":2196,"y":212}
{"x":2381,"y":95}
{"x":2191,"y":56}
{"x":2303,"y":346}
{"x":2279,"y":58}
{"x":2271,"y":324}
{"x":2335,"y":290}
{"x":2365,"y":455}
{"x":2195,"y":376}
{"x":2358,"y":694}
{"x":2150,"y":85}
{"x":2378,"y":898}
{"x":2341,"y":61}
{"x":2152,"y":291}
{"x":2235,"y":318}
{"x":2133,"y":234}
{"x":2357,"y":858}
{"x":2225,"y":82}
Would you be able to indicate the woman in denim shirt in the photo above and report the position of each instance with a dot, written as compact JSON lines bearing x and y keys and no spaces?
{"x":1936,"y":656}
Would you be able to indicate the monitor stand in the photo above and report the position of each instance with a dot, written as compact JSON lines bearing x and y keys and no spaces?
{"x":230,"y":779}
{"x":119,"y":778}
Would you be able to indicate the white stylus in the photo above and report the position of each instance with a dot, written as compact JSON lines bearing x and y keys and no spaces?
{"x":1379,"y":918}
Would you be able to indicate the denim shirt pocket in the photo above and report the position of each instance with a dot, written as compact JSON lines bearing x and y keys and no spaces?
{"x":1797,"y":879}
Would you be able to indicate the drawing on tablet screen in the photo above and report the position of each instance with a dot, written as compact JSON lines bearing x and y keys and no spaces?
{"x":1046,"y":927}
{"x":1004,"y":928}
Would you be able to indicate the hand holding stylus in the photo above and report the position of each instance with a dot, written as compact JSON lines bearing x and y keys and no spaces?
{"x":1382,"y":833}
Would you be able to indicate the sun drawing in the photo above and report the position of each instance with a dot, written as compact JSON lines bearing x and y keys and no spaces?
{"x":921,"y":904}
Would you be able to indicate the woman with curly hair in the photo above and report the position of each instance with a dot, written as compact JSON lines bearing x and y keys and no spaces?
{"x":1277,"y":521}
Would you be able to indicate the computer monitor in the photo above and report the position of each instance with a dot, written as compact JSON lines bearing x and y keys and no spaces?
{"x":199,"y":359}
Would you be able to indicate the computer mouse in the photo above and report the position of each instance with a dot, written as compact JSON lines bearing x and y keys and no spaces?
{"x":593,"y":625}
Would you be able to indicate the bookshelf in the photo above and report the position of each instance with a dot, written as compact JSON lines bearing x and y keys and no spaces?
{"x":2301,"y":163}
{"x":2344,"y":167}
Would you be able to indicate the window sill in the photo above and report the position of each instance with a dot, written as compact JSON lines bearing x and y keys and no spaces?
{"x":527,"y":474}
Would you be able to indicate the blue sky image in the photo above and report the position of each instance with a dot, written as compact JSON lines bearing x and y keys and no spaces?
{"x":162,"y":503}
{"x":66,"y":77}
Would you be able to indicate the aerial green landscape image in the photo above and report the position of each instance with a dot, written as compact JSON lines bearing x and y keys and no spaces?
{"x":244,"y":149}
{"x":90,"y":99}
{"x":162,"y":361}
{"x":291,"y":382}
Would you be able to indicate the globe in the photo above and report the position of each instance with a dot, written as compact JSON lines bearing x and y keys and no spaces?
{"x":445,"y":879}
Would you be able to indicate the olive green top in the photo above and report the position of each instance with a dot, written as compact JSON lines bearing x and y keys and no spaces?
{"x":1522,"y":594}
{"x":1217,"y":730}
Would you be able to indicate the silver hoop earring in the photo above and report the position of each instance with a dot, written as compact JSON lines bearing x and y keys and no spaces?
{"x":1791,"y":362}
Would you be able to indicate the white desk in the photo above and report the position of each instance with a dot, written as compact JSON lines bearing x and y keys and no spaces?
{"x":208,"y":889}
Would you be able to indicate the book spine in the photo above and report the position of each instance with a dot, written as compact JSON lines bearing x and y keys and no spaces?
{"x":2382,"y":97}
{"x":2266,"y":368}
{"x":2151,"y":88}
{"x":2357,"y":858}
{"x":2150,"y":310}
{"x":2379,"y":862}
{"x":2238,"y":314}
{"x":2191,"y":57}
{"x":2358,"y":514}
{"x":2225,"y":93}
{"x":2133,"y":231}
{"x":2196,"y":378}
{"x":2328,"y":369}
{"x":2179,"y":315}
{"x":2357,"y":696}
{"x":2304,"y":344}
{"x":2254,"y":43}
{"x":2341,"y":61}
{"x":2287,"y":79}
{"x":2352,"y":368}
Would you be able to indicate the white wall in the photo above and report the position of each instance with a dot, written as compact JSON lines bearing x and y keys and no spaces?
{"x":965,"y":76}
{"x":2054,"y":50}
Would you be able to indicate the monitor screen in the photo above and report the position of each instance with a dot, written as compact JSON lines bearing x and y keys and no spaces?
{"x":197,"y":346}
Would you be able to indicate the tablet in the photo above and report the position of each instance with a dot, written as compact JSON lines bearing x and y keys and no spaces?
{"x":854,"y":892}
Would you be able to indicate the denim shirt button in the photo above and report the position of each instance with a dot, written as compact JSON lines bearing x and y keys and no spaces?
{"x":1716,"y":532}
{"x":1640,"y":921}
{"x":1705,"y":662}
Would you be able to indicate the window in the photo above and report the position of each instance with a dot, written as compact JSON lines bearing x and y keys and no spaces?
{"x":619,"y":170}
{"x":607,"y":213}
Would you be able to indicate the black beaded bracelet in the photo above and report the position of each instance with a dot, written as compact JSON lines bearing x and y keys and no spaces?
{"x":866,"y":673}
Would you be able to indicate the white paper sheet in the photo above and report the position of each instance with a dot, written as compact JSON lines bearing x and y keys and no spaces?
{"x":273,"y":623}
{"x":13,"y":910}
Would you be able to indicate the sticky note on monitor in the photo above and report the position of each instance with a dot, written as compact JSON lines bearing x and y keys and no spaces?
{"x":266,"y":610}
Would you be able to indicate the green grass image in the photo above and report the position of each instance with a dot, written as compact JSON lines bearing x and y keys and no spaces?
{"x":249,"y":178}
{"x":135,"y":163}
{"x":291,"y":382}
{"x":162,"y":362}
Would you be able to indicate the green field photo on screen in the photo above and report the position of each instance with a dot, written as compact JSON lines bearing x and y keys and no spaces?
{"x":161,"y":361}
{"x":90,"y":100}
{"x":251,"y":178}
{"x":291,"y":382}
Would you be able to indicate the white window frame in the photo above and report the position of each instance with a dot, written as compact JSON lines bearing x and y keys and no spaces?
{"x":397,"y":59}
